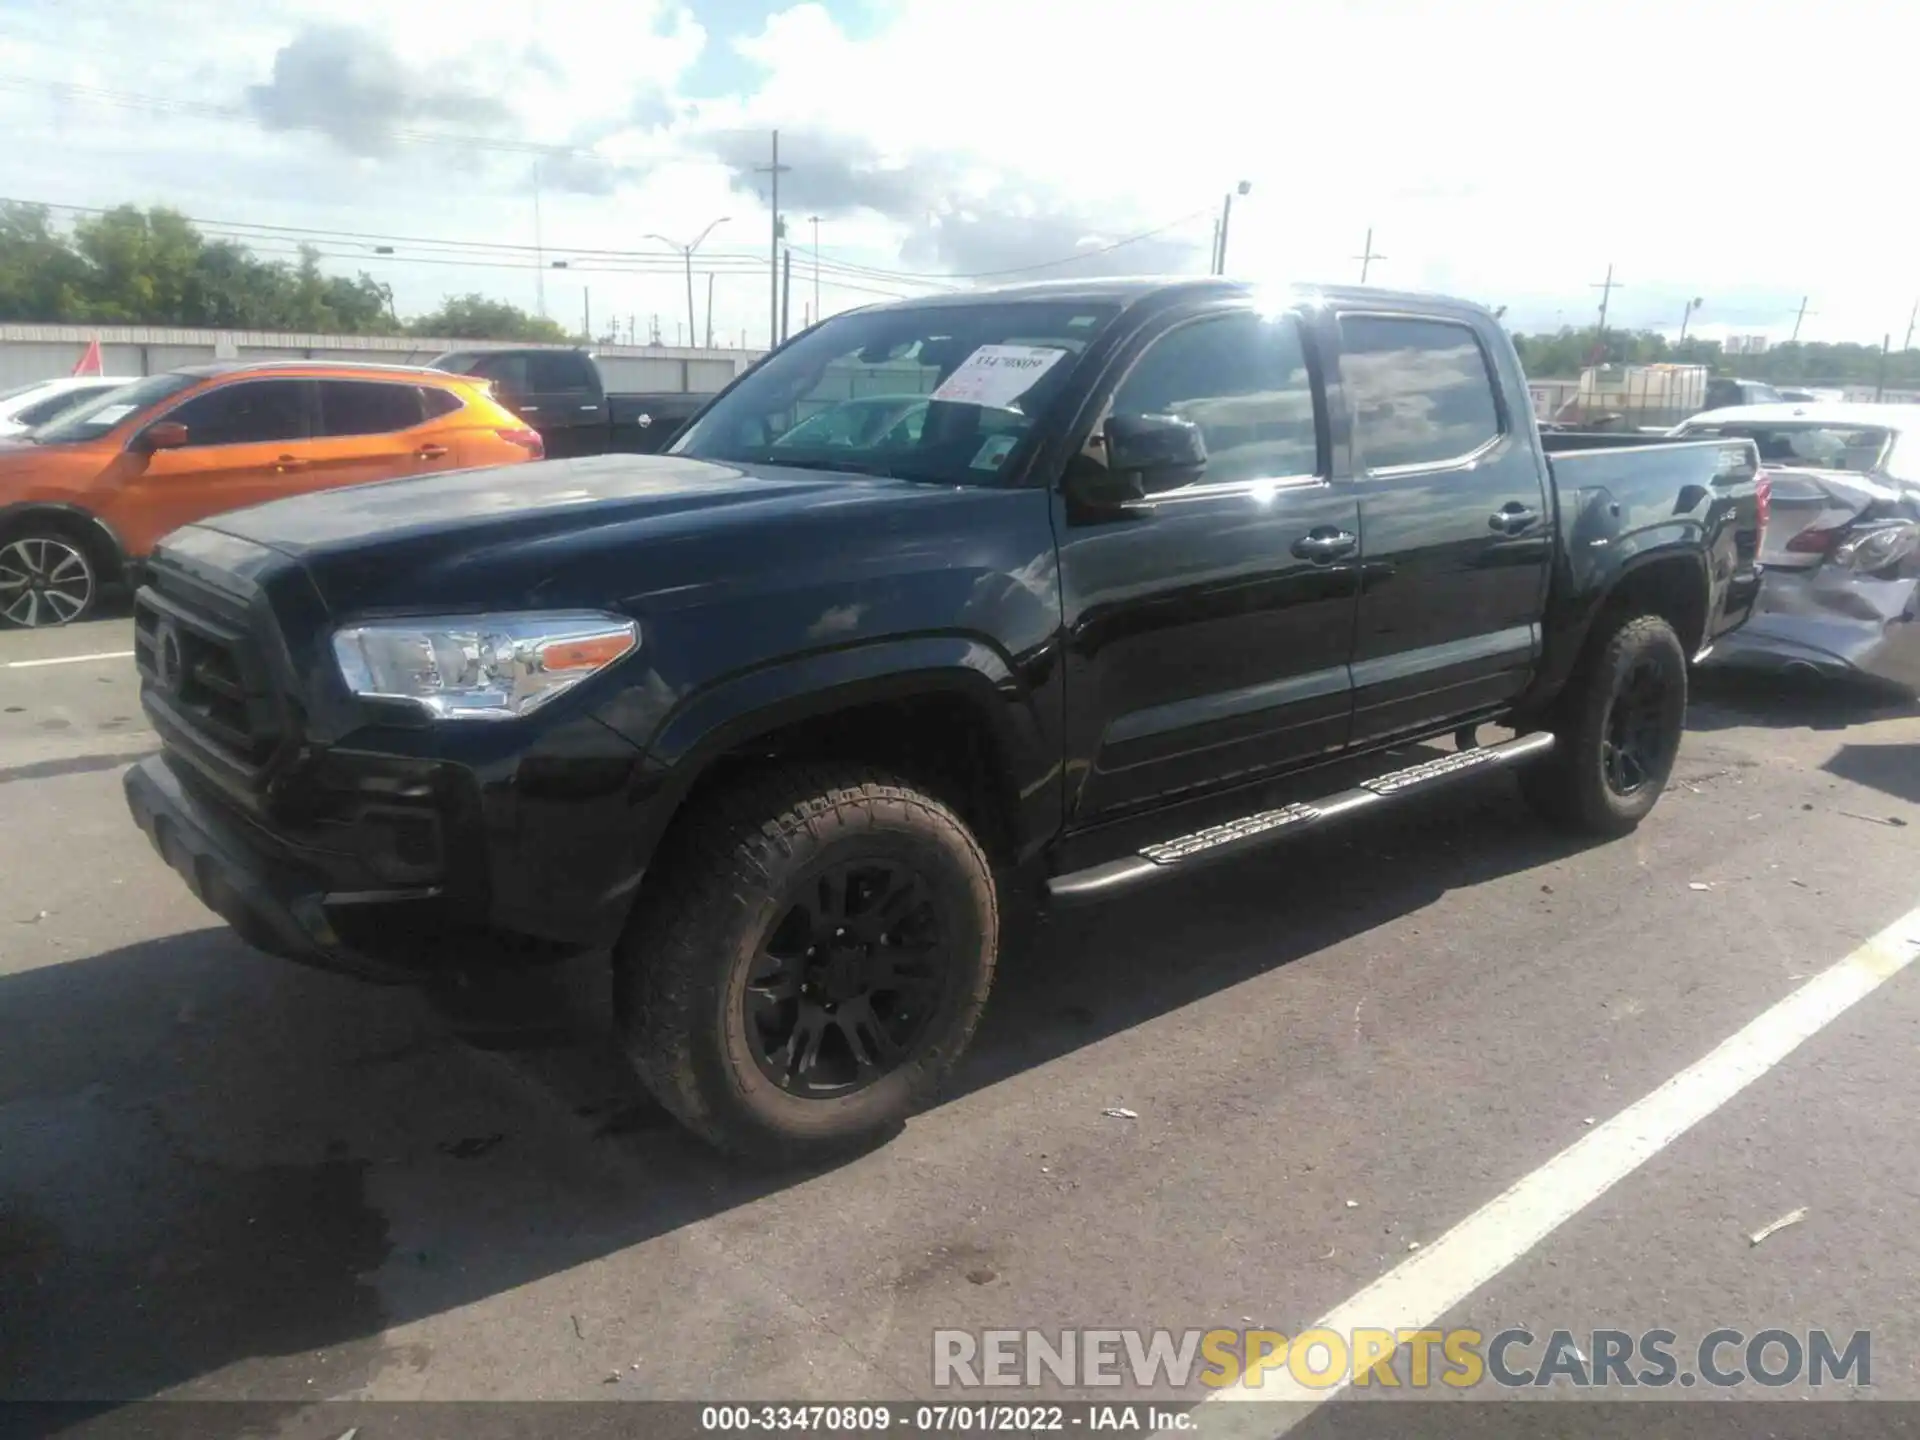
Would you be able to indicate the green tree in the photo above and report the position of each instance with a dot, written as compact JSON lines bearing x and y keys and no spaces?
{"x":40,"y":277}
{"x":475,"y":317}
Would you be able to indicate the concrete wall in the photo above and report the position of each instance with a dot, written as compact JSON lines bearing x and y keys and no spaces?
{"x":41,"y":352}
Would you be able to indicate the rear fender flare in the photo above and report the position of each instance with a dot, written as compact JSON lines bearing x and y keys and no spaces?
{"x":1571,"y":628}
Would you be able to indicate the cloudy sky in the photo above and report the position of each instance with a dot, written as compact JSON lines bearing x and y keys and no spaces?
{"x":1508,"y":152}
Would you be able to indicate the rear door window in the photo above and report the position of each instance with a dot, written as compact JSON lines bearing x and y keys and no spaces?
{"x":560,"y":370}
{"x":509,"y":372}
{"x":246,"y":412}
{"x":1420,"y":390}
{"x":368,"y":407}
{"x":438,"y":402}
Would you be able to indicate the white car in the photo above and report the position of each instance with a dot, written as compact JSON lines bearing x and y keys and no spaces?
{"x":26,"y":406}
{"x":1878,"y":440}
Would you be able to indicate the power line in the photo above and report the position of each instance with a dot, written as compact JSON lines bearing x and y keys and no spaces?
{"x":468,"y":252}
{"x":833,"y":268}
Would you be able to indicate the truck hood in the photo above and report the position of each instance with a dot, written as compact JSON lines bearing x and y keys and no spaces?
{"x":549,"y":533}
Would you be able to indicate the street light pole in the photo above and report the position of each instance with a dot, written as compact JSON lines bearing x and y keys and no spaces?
{"x":1226,"y":218}
{"x":686,"y":253}
{"x":816,"y":267}
{"x":1687,"y":315}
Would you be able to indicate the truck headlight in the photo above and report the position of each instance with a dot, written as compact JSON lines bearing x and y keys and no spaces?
{"x":480,"y":667}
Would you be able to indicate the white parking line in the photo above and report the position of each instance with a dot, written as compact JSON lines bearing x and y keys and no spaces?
{"x":68,"y":659}
{"x":1418,"y":1293}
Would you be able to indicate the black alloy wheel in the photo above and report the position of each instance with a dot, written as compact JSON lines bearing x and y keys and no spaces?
{"x":846,"y":988}
{"x":1639,"y":743}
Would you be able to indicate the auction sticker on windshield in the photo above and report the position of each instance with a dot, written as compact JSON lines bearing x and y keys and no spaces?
{"x":997,"y":375}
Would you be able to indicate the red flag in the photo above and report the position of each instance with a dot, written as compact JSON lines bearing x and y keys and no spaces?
{"x":90,"y":362}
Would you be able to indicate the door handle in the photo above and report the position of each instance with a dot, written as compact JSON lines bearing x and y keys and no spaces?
{"x":1512,"y":517}
{"x":430,"y":452}
{"x":528,"y":409}
{"x":1325,"y":544}
{"x":289,"y":462}
{"x":589,"y":408}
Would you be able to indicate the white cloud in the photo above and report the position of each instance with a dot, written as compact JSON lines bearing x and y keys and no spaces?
{"x":1506,"y":151}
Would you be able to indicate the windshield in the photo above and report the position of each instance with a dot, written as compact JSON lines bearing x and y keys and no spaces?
{"x":1860,"y":448}
{"x":945,"y":394}
{"x":96,"y":416}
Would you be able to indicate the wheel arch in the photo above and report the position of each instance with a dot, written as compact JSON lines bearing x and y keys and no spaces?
{"x":1670,"y":582}
{"x":946,"y":711}
{"x":103,"y":542}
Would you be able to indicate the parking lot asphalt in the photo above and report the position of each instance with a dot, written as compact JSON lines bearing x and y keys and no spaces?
{"x":223,"y":1176}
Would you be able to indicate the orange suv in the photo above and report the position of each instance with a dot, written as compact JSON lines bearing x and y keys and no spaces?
{"x":84,"y":499}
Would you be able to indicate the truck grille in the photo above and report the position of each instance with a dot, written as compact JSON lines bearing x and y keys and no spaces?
{"x":203,"y":676}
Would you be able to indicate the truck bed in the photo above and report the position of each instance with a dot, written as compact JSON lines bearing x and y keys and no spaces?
{"x":1620,"y":493}
{"x":644,"y":423}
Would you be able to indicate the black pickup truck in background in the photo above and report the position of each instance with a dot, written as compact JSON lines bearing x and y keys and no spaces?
{"x":561,"y":393}
{"x":1160,"y":574}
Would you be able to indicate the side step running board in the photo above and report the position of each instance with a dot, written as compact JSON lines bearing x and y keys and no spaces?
{"x":1253,"y":832}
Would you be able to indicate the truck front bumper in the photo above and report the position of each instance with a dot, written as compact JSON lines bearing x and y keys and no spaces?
{"x":280,"y":903}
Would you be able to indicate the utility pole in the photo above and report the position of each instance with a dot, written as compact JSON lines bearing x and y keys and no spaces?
{"x":774,"y":171}
{"x":1606,"y":288}
{"x":786,"y":295}
{"x":1226,"y":218}
{"x":1880,"y":380}
{"x":1912,"y":316}
{"x":816,"y":267}
{"x":1804,"y":312}
{"x":539,"y":254}
{"x":1366,"y":257}
{"x":709,"y":309}
{"x":1213,"y":255}
{"x":1687,"y":314}
{"x":586,"y":313}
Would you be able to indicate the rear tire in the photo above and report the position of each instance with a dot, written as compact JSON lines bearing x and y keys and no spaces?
{"x":808,"y":962}
{"x":1617,"y":730}
{"x":47,"y":578}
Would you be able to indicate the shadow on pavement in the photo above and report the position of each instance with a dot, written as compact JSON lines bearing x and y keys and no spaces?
{"x":209,"y":1157}
{"x":1728,"y":699}
{"x":1891,"y":769}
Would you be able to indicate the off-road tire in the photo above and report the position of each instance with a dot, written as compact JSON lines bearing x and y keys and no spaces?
{"x":730,"y":873}
{"x":1570,"y":787}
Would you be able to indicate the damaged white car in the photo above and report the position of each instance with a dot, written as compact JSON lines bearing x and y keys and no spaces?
{"x":1842,"y":547}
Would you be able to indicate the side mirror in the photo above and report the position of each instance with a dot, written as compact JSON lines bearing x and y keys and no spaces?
{"x":1163,"y":450}
{"x":163,"y":435}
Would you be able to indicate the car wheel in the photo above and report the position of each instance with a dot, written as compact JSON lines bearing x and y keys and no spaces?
{"x":1617,"y":731}
{"x":808,"y":962}
{"x":46,"y":579}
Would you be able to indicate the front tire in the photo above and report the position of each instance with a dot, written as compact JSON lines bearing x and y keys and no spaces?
{"x":808,"y":962}
{"x":47,"y":578}
{"x":1617,"y":731}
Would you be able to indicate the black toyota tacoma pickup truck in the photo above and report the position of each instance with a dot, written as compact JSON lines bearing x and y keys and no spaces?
{"x":1161,"y":573}
{"x":562,"y":394}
